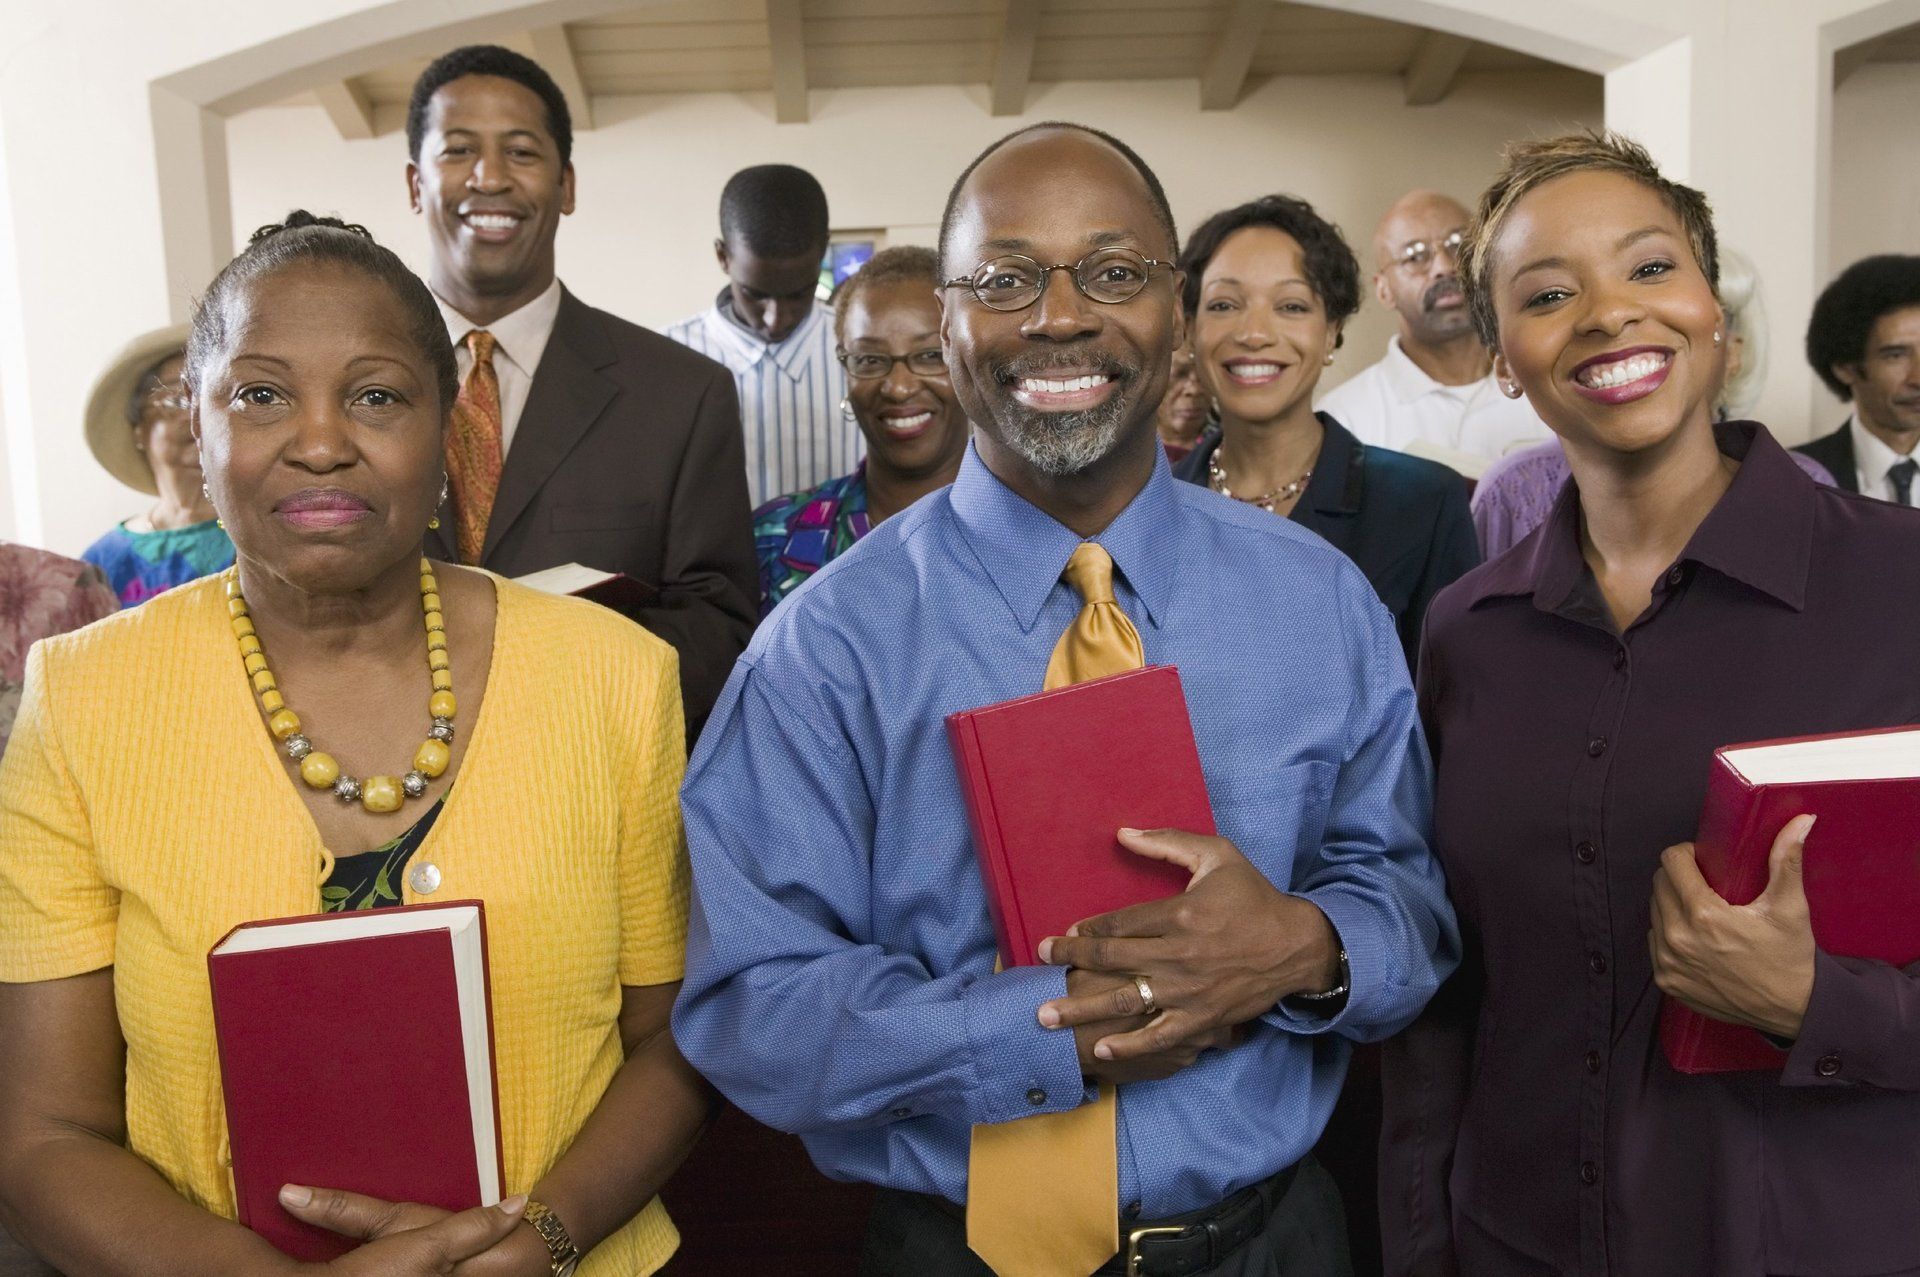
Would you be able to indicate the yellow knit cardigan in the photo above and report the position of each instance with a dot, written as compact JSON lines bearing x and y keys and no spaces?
{"x":144,"y":812}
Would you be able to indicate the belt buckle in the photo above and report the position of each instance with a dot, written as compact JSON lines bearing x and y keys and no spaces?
{"x":1134,"y":1238}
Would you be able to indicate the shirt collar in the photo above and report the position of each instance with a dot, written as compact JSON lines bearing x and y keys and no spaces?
{"x":1023,"y":549}
{"x":1408,"y":382}
{"x":520,"y":336}
{"x":1871,"y":455}
{"x":1759,"y":533}
{"x":801,"y":347}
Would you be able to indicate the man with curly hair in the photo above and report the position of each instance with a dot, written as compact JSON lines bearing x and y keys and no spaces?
{"x":1864,"y":342}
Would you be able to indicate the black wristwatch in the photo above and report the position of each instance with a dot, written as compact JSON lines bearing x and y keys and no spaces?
{"x":566,"y":1256}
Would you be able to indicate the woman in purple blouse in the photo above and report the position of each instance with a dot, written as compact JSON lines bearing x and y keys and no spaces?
{"x":1690,"y":589}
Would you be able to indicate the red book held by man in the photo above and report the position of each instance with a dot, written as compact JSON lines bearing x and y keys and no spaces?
{"x":1861,"y":867}
{"x":1050,"y":778}
{"x":356,"y":1052}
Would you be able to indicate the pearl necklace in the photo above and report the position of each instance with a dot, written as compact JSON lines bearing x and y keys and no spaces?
{"x":379,"y":794}
{"x":1217,"y":480}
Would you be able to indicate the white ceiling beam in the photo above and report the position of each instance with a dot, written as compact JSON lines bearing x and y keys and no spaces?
{"x":1435,"y":64}
{"x":554,"y":51}
{"x":1013,"y":58}
{"x":349,"y":107}
{"x":787,"y":35}
{"x":1224,"y":78}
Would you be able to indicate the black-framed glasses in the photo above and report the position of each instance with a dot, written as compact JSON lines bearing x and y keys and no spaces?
{"x":1419,"y":254}
{"x":1108,"y":275}
{"x":866,"y":365}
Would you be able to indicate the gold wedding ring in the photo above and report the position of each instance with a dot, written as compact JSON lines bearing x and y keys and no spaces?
{"x":1147,"y":1005}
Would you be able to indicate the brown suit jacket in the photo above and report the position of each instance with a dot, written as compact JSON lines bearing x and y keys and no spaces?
{"x":628,"y":457}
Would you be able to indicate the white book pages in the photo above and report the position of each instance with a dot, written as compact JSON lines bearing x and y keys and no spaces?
{"x":1880,"y":756}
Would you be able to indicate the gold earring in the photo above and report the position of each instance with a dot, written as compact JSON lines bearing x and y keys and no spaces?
{"x":433,"y":524}
{"x":1328,"y":361}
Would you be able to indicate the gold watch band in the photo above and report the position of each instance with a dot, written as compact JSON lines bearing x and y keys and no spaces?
{"x":565,"y":1255}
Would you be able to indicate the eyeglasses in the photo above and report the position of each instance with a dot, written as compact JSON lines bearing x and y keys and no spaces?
{"x":1419,"y":254}
{"x":867,"y":366}
{"x":1111,"y":276}
{"x":167,"y":398}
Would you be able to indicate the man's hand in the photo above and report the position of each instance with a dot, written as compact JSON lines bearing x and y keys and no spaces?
{"x":1217,"y":956}
{"x":407,"y":1239}
{"x":1745,"y":964}
{"x":1094,"y":988}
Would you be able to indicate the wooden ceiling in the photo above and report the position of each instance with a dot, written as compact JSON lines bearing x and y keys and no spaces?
{"x":789,"y":47}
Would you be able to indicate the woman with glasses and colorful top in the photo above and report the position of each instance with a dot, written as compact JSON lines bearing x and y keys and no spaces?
{"x":137,"y":428}
{"x":1269,"y":286}
{"x":887,"y":319}
{"x":285,"y":739}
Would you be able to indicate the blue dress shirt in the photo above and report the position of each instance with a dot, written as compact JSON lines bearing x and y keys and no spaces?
{"x":840,"y":967}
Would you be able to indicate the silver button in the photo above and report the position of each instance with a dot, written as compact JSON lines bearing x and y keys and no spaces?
{"x":425,"y":879}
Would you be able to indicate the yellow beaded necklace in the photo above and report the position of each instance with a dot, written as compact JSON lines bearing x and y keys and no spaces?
{"x":319,"y":770}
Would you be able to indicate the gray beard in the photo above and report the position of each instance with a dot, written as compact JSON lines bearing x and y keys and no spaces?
{"x":1065,"y":443}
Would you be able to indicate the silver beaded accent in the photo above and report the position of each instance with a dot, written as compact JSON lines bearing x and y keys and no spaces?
{"x":347,"y":789}
{"x":298,"y":747}
{"x":442,"y":730}
{"x":414,"y":783}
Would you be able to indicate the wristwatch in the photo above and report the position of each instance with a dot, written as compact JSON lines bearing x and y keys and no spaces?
{"x":566,"y":1256}
{"x":1337,"y":991}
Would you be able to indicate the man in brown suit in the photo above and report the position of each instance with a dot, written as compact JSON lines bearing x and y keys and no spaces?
{"x":578,"y":437}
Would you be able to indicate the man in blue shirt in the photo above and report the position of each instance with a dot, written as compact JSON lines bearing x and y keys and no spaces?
{"x":841,"y":977}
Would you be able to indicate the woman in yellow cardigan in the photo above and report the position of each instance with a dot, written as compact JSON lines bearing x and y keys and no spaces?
{"x":336,"y":724}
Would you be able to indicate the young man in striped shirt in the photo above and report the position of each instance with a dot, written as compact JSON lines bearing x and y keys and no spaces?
{"x":765,"y":328}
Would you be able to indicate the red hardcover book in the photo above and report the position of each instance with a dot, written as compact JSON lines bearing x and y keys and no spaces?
{"x":1862,"y":862}
{"x":1049,"y":778}
{"x":356,"y":1052}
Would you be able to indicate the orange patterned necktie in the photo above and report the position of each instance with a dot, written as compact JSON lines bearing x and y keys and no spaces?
{"x":474,"y":454}
{"x":1043,"y":1192}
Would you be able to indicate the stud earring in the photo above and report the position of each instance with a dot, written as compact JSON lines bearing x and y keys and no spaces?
{"x":1716,"y":336}
{"x":1328,"y":361}
{"x":846,"y":409}
{"x":1510,"y":390}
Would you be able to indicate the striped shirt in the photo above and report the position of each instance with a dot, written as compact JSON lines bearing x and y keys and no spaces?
{"x":790,"y":397}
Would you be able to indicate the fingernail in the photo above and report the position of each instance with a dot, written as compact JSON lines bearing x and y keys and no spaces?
{"x":295,"y":1195}
{"x":1103,"y":1051}
{"x":1073,"y":932}
{"x":1046,"y":949}
{"x":513,"y":1205}
{"x":1049,"y":1018}
{"x":1128,"y":829}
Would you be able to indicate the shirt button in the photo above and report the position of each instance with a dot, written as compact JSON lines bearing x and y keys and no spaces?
{"x":1619,"y":658}
{"x":1133,"y":1210}
{"x":1593,"y":1061}
{"x":1596,"y":747}
{"x":1677,"y":575}
{"x":1589,"y":1173}
{"x":1036,"y":1097}
{"x":425,"y":879}
{"x":902,"y":1111}
{"x":1827,"y":1066}
{"x":1597,"y":963}
{"x":1585,"y":852}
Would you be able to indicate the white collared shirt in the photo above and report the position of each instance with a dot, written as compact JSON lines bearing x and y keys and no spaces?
{"x":1393,"y":403}
{"x":790,"y":396}
{"x":519,"y":340}
{"x":1872,"y":459}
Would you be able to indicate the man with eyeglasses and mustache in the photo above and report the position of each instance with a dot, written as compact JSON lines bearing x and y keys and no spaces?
{"x":1433,"y":394}
{"x":842,"y":980}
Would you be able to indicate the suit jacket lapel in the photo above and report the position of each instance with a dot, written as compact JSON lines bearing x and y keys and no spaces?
{"x":568,"y":395}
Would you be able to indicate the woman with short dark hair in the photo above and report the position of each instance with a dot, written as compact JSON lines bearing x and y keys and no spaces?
{"x":1692,"y":588}
{"x":1269,"y":287}
{"x":285,"y":739}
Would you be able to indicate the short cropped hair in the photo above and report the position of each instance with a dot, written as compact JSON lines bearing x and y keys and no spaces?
{"x":1162,"y":211}
{"x":304,"y":238}
{"x":774,"y":210}
{"x":1332,"y":270}
{"x":1844,"y":316}
{"x":1527,"y":165}
{"x":904,"y":264}
{"x":489,"y":59}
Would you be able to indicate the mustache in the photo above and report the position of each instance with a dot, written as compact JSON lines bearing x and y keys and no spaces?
{"x":1440,"y":287}
{"x":1040,"y":363}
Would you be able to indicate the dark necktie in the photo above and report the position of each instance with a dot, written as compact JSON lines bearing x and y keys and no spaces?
{"x":1901,"y":477}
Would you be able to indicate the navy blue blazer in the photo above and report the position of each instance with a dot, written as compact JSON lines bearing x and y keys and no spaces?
{"x":1402,"y":519}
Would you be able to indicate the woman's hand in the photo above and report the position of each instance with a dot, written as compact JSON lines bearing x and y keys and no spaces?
{"x":1746,"y":964}
{"x":407,"y":1239}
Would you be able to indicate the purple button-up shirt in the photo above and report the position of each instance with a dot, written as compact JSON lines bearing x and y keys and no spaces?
{"x":1533,"y":1126}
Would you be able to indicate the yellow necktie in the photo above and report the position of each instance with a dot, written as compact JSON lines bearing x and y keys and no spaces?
{"x":1043,"y":1192}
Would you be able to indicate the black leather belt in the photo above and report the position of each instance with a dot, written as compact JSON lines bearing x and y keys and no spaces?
{"x":1182,"y":1245}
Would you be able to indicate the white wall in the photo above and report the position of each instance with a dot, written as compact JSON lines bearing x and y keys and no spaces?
{"x":650,"y":175}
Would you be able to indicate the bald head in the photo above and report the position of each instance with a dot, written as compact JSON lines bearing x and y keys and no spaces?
{"x":1415,"y":273}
